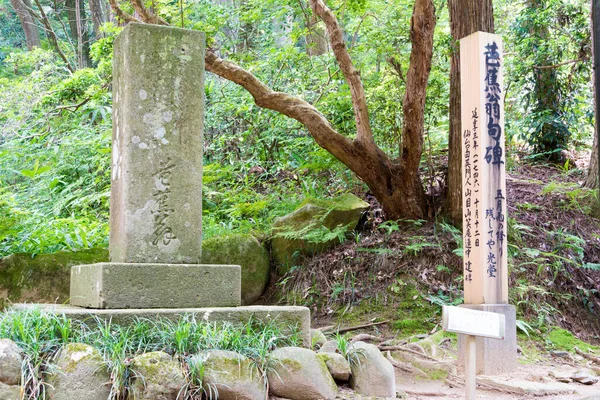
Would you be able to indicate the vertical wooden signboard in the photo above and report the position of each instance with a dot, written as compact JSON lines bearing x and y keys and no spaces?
{"x":483,"y":166}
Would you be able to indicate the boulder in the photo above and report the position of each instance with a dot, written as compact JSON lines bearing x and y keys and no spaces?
{"x":78,"y":373}
{"x":42,"y":278}
{"x":299,"y":374}
{"x":234,"y":376}
{"x":302,"y":231}
{"x":317,"y":338}
{"x":156,"y":377}
{"x":338,"y":366}
{"x":10,"y":362}
{"x":329,"y":346}
{"x":584,"y":377}
{"x":8,"y":392}
{"x":245,"y":251}
{"x":372,"y":373}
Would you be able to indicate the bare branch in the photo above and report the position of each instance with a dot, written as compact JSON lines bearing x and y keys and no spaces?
{"x":120,"y":13}
{"x":338,"y":45}
{"x":147,"y":16}
{"x":560,"y":64}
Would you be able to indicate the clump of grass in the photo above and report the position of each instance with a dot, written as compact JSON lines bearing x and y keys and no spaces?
{"x":41,"y":335}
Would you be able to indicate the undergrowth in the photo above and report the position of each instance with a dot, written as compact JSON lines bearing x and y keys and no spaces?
{"x":41,"y":335}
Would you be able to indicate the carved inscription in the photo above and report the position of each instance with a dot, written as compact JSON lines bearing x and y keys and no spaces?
{"x":162,"y":231}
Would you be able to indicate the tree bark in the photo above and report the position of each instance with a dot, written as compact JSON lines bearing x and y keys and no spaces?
{"x":396,"y":185}
{"x":32,"y":36}
{"x":99,"y":14}
{"x":592,"y":180}
{"x":79,"y":32}
{"x":466,"y":17}
{"x":316,"y":38}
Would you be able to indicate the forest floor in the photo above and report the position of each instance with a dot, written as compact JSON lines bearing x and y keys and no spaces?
{"x":400,"y":273}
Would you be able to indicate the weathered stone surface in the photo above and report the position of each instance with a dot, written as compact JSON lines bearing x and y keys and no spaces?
{"x":338,"y":366}
{"x":79,"y":373}
{"x":245,"y":251}
{"x":284,"y":317}
{"x":584,"y":377}
{"x":329,"y":347}
{"x":314,"y":214}
{"x":10,"y":392}
{"x":234,"y":376}
{"x":527,"y":388}
{"x":425,"y":364}
{"x":156,"y":186}
{"x":10,"y":362}
{"x":298,"y":374}
{"x":47,"y":275}
{"x":494,"y":357}
{"x":317,"y":338}
{"x":112,"y":285}
{"x":158,"y":377}
{"x":372,"y":374}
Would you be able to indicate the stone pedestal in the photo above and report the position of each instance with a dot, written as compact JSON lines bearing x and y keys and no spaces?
{"x":494,"y":357}
{"x":113,"y":285}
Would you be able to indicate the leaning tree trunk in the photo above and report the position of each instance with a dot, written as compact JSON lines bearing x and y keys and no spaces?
{"x":593,"y":173}
{"x":32,"y":36}
{"x":396,"y":184}
{"x":466,"y":17}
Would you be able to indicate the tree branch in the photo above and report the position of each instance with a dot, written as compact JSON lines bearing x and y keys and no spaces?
{"x":359,"y":100}
{"x":560,"y":64}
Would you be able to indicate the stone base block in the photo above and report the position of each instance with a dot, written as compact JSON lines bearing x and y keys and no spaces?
{"x":494,"y":356}
{"x":123,"y":285}
{"x":286,"y":317}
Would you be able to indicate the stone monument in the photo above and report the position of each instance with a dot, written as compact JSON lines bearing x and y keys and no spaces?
{"x":485,"y":220}
{"x":155,"y":241}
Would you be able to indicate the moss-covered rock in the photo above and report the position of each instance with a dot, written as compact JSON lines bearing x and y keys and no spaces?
{"x":10,"y":392}
{"x":299,"y":374}
{"x":314,"y":227}
{"x":372,"y":374}
{"x":42,"y":278}
{"x":234,"y":376}
{"x":78,"y":373}
{"x":157,"y":376}
{"x":337,"y":364}
{"x":245,"y":251}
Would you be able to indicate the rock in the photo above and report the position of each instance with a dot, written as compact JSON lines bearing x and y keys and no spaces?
{"x":584,"y":377}
{"x":329,"y":346}
{"x":78,"y":373}
{"x":10,"y":362}
{"x":317,"y":338}
{"x":299,"y":374}
{"x":338,"y":366}
{"x":313,"y":215}
{"x":526,"y":388}
{"x":8,"y":392}
{"x":234,"y":376}
{"x":425,"y":364}
{"x":245,"y":251}
{"x":158,"y":377}
{"x":560,"y":354}
{"x":47,"y":275}
{"x":560,"y":376}
{"x":372,"y":373}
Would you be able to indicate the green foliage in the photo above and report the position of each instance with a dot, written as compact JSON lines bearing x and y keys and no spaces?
{"x":562,"y":339}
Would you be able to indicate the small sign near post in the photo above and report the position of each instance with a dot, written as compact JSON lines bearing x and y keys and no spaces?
{"x":472,"y":323}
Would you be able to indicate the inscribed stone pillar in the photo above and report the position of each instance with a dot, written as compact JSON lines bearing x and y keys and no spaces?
{"x":156,"y":186}
{"x":485,"y":220}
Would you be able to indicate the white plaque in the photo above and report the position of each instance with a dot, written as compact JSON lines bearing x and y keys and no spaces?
{"x":473,"y":322}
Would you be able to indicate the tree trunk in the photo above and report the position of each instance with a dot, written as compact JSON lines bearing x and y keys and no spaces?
{"x":466,"y":17}
{"x":79,"y":33}
{"x":99,"y":14}
{"x":316,"y":38}
{"x":593,"y":173}
{"x":32,"y":36}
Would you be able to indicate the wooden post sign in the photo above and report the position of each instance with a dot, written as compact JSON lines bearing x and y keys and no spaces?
{"x":472,"y":323}
{"x":483,"y":168}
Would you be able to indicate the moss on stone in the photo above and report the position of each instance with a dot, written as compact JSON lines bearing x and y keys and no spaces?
{"x":43,"y":277}
{"x":565,"y":340}
{"x":244,"y":250}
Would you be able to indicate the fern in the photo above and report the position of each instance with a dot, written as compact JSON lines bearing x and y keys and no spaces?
{"x":591,"y":266}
